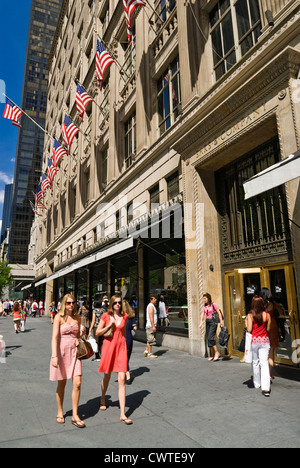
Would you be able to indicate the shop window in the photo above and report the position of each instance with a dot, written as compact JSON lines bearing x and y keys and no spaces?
{"x":98,"y":274}
{"x":167,"y":280}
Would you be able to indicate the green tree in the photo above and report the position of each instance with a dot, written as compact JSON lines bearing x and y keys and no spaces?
{"x":5,"y":276}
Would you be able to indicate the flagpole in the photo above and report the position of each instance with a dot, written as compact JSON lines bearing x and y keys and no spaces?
{"x":41,"y":128}
{"x":117,"y":62}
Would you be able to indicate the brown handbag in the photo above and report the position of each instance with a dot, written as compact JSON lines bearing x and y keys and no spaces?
{"x":84,"y":349}
{"x":109,"y":333}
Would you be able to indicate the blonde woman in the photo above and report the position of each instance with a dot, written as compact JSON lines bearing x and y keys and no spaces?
{"x":114,"y":352}
{"x":64,"y":363}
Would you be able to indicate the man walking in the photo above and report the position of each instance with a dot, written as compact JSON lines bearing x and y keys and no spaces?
{"x":151,"y":324}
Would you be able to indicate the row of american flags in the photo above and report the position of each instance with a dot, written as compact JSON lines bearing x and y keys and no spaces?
{"x":69,"y":129}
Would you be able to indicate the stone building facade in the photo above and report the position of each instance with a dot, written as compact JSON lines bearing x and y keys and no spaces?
{"x":150,"y":201}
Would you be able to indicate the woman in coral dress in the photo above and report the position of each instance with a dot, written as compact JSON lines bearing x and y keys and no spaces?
{"x":114,"y":352}
{"x":64,"y":363}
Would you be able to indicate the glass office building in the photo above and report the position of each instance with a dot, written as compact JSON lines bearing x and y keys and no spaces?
{"x":43,"y":20}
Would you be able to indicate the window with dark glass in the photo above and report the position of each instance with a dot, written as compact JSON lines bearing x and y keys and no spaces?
{"x":169,"y":96}
{"x":235,"y":27}
{"x":173,"y":185}
{"x":130,"y":140}
{"x":248,"y":22}
{"x":222,"y":36}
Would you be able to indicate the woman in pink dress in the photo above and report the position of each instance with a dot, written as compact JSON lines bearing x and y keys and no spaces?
{"x":114,"y":352}
{"x":64,"y":363}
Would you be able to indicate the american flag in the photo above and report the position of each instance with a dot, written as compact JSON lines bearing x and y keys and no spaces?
{"x":57,"y":153}
{"x":12,"y":112}
{"x":174,"y":95}
{"x":69,"y":131}
{"x":129,"y":7}
{"x":34,"y":209}
{"x":45,"y":183}
{"x":39,"y":198}
{"x":103,"y":60}
{"x":82,"y":100}
{"x":52,"y":171}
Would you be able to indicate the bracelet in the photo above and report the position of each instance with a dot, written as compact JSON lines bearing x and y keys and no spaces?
{"x":54,"y":357}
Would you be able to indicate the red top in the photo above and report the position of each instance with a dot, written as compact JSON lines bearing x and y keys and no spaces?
{"x":259,"y":332}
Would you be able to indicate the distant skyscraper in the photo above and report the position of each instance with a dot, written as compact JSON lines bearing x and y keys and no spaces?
{"x":7,"y":210}
{"x":44,"y":15}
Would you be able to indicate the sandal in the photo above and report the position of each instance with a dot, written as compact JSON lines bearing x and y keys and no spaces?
{"x":103,"y":406}
{"x":126,"y":421}
{"x":78,"y":423}
{"x":60,"y":420}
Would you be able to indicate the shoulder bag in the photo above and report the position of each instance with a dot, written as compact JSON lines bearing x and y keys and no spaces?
{"x":84,"y":349}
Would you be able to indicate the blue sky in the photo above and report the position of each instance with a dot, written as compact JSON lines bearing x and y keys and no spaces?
{"x":14,"y":21}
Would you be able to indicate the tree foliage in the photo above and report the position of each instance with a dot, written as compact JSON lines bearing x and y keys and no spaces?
{"x":5,"y":276}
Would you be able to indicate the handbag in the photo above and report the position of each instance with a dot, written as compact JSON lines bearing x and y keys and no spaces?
{"x":109,"y":333}
{"x":215,"y":315}
{"x":224,"y":337}
{"x":84,"y":349}
{"x":248,"y":348}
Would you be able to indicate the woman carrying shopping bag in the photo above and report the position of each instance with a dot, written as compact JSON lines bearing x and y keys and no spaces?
{"x":259,"y":323}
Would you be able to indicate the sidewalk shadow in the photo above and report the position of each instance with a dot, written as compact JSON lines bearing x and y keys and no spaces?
{"x":13,"y":348}
{"x":138,"y":372}
{"x":135,"y":400}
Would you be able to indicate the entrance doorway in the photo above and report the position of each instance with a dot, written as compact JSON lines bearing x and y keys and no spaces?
{"x":242,"y":284}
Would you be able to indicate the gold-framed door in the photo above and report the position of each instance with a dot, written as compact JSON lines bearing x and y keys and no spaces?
{"x":240,"y":286}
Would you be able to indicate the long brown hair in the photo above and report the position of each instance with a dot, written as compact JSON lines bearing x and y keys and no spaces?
{"x":126,"y":308}
{"x":111,"y":302}
{"x":257,"y":309}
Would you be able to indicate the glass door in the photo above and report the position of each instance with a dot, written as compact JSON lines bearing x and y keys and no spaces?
{"x":281,"y":282}
{"x":241,"y":285}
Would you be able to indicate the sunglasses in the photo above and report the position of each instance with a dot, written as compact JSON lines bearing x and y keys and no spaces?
{"x":115,"y":303}
{"x":71,"y":303}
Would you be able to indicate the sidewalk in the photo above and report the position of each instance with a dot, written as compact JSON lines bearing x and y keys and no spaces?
{"x":177,"y":401}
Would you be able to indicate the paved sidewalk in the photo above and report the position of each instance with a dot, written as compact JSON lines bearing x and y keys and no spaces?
{"x":177,"y":401}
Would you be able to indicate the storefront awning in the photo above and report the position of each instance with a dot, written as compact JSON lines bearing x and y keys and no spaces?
{"x":108,"y":252}
{"x":273,"y":176}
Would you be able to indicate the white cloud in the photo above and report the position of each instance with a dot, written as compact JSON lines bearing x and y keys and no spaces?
{"x":2,"y":193}
{"x":5,"y":178}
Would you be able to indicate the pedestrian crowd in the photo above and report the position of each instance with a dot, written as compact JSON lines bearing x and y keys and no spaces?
{"x":110,"y":329}
{"x":20,"y":310}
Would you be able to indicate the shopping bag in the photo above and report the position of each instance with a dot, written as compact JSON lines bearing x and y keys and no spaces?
{"x":93,"y":343}
{"x":248,"y":348}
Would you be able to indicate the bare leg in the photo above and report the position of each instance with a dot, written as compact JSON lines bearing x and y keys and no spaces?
{"x":60,"y":394}
{"x":122,"y":393}
{"x":122,"y":398}
{"x":104,"y":386}
{"x":76,"y":396}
